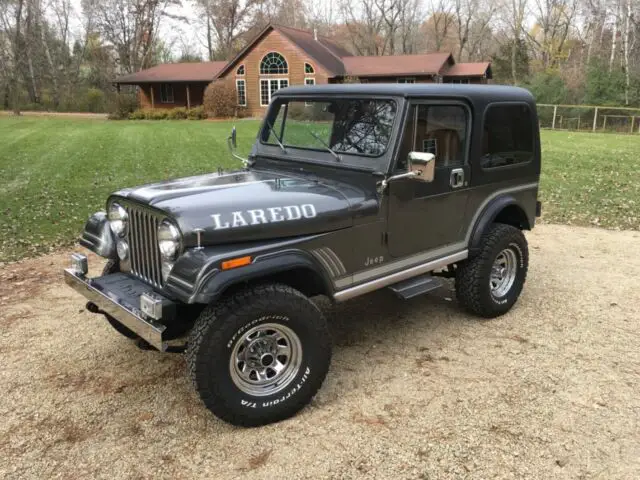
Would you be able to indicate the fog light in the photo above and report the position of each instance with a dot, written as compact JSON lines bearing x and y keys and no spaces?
{"x":79,"y":263}
{"x":123,"y":250}
{"x":151,"y":305}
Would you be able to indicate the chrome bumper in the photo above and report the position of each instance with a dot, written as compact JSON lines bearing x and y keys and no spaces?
{"x":147,"y":329}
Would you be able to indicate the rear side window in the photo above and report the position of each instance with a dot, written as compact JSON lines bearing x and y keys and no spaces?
{"x":507,"y":136}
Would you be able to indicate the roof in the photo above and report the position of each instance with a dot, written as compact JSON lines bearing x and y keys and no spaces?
{"x":392,"y":65}
{"x":175,"y":72}
{"x":479,"y":92}
{"x":479,"y":69}
{"x":326,"y":53}
{"x":333,"y":58}
{"x":320,"y":48}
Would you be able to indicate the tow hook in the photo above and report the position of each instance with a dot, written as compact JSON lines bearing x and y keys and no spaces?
{"x":93,"y":308}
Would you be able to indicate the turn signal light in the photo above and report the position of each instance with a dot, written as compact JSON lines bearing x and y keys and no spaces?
{"x":235,"y":263}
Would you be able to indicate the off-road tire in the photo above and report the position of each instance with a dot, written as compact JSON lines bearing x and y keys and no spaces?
{"x":473,"y":275}
{"x":111,"y":267}
{"x":221,"y":326}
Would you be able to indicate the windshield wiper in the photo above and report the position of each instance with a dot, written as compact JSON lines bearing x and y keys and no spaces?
{"x":325,"y":144}
{"x":284,"y":150}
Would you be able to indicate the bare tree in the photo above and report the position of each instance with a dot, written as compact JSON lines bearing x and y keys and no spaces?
{"x":365,"y":26}
{"x":614,"y":36}
{"x":554,"y":20}
{"x":227,"y":21}
{"x":411,"y":11}
{"x":440,"y":26}
{"x":130,"y":26}
{"x":515,"y":14}
{"x":473,"y":18}
{"x":11,"y":17}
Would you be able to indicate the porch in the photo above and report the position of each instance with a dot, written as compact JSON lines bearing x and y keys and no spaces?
{"x":171,"y":95}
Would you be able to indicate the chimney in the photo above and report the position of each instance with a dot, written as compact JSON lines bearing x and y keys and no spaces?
{"x":315,"y":34}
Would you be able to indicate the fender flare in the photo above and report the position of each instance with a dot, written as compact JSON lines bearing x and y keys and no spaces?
{"x":97,"y":236}
{"x":214,"y":284}
{"x":488,"y":216}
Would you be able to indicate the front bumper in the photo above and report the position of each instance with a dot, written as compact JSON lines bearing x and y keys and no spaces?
{"x":118,"y":308}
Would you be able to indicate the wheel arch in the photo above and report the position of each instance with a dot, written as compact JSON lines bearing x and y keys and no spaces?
{"x":294,"y":269}
{"x":504,"y":209}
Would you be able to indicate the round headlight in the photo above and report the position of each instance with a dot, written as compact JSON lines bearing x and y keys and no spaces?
{"x":118,"y":219}
{"x":122,"y":248}
{"x":168,"y":240}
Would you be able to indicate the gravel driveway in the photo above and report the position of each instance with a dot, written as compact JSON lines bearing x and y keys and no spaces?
{"x":417,"y":389}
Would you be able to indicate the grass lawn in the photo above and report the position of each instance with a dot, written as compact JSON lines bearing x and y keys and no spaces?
{"x":54,"y":172}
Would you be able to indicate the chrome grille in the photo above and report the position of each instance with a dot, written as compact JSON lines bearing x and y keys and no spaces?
{"x":143,"y":244}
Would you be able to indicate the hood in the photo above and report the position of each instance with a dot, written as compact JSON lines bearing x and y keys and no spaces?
{"x":252,"y":204}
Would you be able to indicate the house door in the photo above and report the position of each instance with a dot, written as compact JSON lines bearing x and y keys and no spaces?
{"x":427,"y":216}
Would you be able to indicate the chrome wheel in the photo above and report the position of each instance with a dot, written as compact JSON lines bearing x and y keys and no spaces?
{"x":503,"y":272}
{"x":265,"y":359}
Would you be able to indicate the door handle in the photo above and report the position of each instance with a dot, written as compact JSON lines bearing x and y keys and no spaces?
{"x":457,"y":178}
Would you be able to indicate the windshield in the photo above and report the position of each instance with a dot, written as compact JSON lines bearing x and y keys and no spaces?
{"x":344,"y":127}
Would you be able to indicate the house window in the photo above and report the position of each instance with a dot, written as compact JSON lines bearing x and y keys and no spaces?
{"x":430,"y":145}
{"x":460,"y":80}
{"x":240,"y":70}
{"x":308,"y":69}
{"x":166,"y":93}
{"x":309,"y":81}
{"x":407,"y":80}
{"x":242,"y":93}
{"x":273,"y":64}
{"x":270,"y":86}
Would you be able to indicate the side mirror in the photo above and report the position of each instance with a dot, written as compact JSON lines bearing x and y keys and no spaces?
{"x":233,"y":139}
{"x":422,"y":165}
{"x":232,"y":143}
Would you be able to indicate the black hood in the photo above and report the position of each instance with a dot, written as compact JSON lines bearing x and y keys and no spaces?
{"x":256,"y":204}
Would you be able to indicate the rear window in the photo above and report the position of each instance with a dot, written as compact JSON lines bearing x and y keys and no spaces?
{"x":507,"y":136}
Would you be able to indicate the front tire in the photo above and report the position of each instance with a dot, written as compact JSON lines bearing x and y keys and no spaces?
{"x":490,"y":283}
{"x":259,"y":356}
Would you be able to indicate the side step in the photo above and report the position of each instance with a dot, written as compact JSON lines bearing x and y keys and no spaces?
{"x":416,"y":286}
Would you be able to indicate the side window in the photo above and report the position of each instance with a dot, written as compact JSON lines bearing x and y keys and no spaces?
{"x":442,"y":130}
{"x":437,"y":129}
{"x":507,"y":136}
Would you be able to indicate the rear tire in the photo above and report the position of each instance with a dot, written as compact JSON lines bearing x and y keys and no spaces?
{"x":260,"y":355}
{"x":490,"y":283}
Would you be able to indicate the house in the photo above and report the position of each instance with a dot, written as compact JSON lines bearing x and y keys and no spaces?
{"x":280,"y":56}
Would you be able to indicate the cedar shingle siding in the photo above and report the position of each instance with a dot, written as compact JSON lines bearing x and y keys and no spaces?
{"x":330,"y":63}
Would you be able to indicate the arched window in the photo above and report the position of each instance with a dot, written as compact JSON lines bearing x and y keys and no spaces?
{"x":308,"y":69}
{"x":273,"y":63}
{"x":240,"y":70}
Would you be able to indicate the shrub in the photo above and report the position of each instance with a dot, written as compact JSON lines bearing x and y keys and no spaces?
{"x":197,"y":113}
{"x":350,"y":79}
{"x":179,"y":113}
{"x":123,"y":106}
{"x":242,"y":112}
{"x":138,"y":115}
{"x":220,"y":99}
{"x":95,"y":100}
{"x":158,"y":114}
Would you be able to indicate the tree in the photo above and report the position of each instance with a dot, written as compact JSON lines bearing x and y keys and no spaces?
{"x":130,"y":26}
{"x":227,"y":21}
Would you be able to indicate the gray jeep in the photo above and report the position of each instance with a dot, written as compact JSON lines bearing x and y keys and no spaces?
{"x":348,"y":189}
